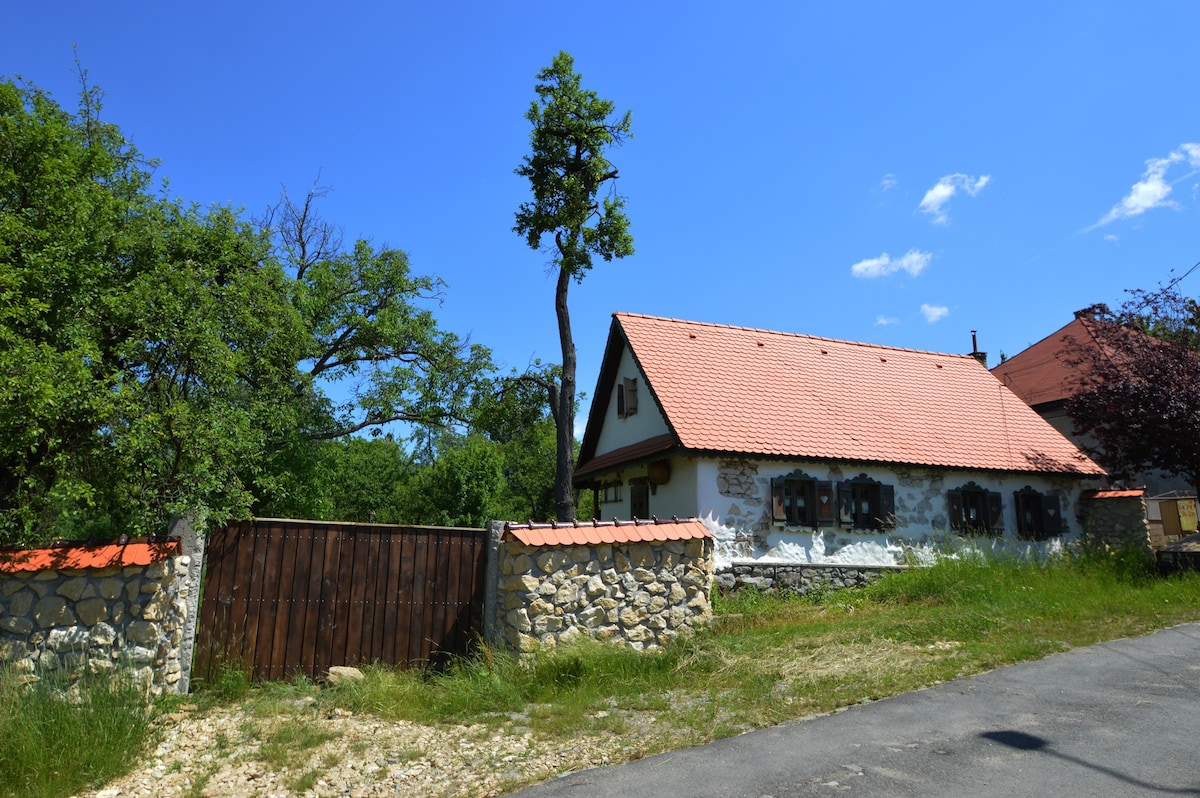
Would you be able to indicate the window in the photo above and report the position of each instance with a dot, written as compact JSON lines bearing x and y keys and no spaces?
{"x":639,"y":499}
{"x":627,"y":397}
{"x":975,"y":510}
{"x":1039,"y":516}
{"x":610,"y":493}
{"x":800,"y":500}
{"x":865,"y":503}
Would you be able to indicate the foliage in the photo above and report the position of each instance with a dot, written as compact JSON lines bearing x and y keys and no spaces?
{"x":567,"y":167}
{"x":158,"y":358}
{"x":1137,"y":394}
{"x":59,"y":743}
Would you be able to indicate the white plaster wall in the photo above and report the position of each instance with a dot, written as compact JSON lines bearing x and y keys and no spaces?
{"x":744,"y":530}
{"x":677,"y":497}
{"x":647,"y":422}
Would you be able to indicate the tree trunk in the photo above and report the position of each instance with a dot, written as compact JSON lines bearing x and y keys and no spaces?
{"x":564,"y":416}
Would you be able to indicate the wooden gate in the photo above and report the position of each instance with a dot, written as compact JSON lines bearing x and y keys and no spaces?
{"x":284,"y":597}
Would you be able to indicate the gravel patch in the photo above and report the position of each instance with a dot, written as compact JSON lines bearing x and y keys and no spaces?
{"x":220,"y":753}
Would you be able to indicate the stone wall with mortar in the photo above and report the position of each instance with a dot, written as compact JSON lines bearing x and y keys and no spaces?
{"x":799,"y":578}
{"x":1117,"y":521}
{"x":63,"y":621}
{"x":641,"y":595}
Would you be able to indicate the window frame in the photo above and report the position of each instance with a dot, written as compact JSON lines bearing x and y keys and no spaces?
{"x":1039,"y":515}
{"x":798,"y":499}
{"x":987,"y":504}
{"x":865,"y":503}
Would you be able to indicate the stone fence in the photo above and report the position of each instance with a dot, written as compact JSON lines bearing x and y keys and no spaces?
{"x":63,"y":610}
{"x":1115,"y":518}
{"x":637,"y":583}
{"x":799,"y":577}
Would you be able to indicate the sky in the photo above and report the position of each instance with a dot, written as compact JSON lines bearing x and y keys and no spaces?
{"x":896,"y":173}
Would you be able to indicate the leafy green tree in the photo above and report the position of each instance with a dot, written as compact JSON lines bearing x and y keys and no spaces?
{"x":371,"y":333}
{"x":158,"y":358}
{"x":567,"y":169}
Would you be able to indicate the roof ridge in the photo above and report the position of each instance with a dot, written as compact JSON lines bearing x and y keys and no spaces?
{"x":766,"y":331}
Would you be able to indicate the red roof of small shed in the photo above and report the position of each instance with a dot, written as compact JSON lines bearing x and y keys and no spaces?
{"x":615,"y":531}
{"x":81,"y":557}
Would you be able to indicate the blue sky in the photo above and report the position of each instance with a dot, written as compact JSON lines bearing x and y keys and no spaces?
{"x":899,"y":173}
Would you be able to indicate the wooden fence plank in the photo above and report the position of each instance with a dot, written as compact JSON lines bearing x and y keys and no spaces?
{"x":295,"y":597}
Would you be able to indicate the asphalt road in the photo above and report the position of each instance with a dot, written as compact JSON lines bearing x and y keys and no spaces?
{"x":1115,"y":719}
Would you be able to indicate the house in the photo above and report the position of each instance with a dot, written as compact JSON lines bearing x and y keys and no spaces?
{"x":1045,"y":376}
{"x":795,"y":447}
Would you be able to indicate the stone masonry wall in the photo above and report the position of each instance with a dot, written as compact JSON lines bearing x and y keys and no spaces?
{"x":62,"y":621}
{"x":799,"y":578}
{"x":638,"y":594}
{"x":1116,"y":521}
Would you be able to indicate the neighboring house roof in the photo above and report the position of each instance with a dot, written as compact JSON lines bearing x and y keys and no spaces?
{"x":1041,"y":374}
{"x":84,"y":556}
{"x":593,"y":532}
{"x":737,"y":390}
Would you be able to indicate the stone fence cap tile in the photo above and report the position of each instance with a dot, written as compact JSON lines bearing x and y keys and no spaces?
{"x":614,"y":531}
{"x":85,"y":556}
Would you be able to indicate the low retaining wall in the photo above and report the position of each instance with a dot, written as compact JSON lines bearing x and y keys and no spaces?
{"x":638,"y":584}
{"x":800,"y":577}
{"x":95,"y":607}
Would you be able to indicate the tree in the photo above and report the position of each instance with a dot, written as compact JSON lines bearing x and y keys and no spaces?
{"x":371,"y":333}
{"x":567,"y":168}
{"x":157,"y":358}
{"x":129,"y":324}
{"x":1138,"y":394}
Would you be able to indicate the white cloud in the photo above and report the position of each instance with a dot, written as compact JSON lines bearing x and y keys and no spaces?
{"x":914,"y":262}
{"x":934,"y":313}
{"x":889,"y":182}
{"x":883,"y":321}
{"x":1154,"y":190}
{"x":935,"y":199}
{"x":1113,"y":237}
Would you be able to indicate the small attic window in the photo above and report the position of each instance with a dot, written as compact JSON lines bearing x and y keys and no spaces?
{"x":627,"y":397}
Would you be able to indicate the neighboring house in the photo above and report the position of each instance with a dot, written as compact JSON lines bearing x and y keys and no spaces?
{"x":1044,"y":379}
{"x":803,"y":448}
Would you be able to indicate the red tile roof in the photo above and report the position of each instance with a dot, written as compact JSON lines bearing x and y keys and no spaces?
{"x":81,"y":557}
{"x":1112,"y":494}
{"x":1040,"y":374}
{"x":739,"y":390}
{"x":593,"y":532}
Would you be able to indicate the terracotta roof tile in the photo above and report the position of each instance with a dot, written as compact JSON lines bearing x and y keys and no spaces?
{"x":1040,"y":374}
{"x":742,"y":390}
{"x":1111,"y":494}
{"x":615,"y":531}
{"x":82,"y":557}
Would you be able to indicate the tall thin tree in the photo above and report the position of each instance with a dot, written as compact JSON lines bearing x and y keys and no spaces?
{"x":567,"y":170}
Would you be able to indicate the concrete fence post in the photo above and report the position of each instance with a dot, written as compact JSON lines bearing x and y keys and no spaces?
{"x":492,"y":582}
{"x":192,"y":541}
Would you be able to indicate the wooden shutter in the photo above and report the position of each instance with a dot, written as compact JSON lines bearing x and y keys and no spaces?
{"x":631,"y":396}
{"x":955,"y":504}
{"x":995,"y":512}
{"x":887,"y":513}
{"x":826,"y":506}
{"x":1052,"y":522}
{"x":621,"y":400}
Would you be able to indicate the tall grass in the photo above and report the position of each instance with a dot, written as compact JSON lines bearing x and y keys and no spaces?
{"x":56,"y":742}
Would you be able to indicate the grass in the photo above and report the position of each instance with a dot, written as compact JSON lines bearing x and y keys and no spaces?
{"x":769,"y":659}
{"x":57,"y":742}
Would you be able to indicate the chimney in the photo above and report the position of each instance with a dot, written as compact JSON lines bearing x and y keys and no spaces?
{"x":975,"y":353}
